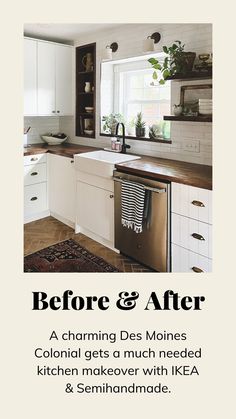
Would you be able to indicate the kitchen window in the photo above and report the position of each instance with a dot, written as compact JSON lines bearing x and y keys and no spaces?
{"x":135,"y":91}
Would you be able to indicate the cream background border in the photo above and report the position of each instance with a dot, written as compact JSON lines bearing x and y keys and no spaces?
{"x":23,"y":394}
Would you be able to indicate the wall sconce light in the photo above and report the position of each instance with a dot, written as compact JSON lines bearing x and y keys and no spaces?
{"x":148,"y":44}
{"x":107,"y":55}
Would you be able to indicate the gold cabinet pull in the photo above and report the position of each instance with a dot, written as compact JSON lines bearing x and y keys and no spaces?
{"x":33,"y":198}
{"x":197,"y":270}
{"x":111,"y":196}
{"x":34,"y":173}
{"x":34,"y":159}
{"x":198,"y":203}
{"x":198,"y":236}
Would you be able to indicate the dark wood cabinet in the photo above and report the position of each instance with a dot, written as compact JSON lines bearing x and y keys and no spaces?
{"x":86,"y":91}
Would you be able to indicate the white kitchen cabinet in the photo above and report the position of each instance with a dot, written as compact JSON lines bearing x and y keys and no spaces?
{"x":35,"y":187}
{"x":30,"y":77}
{"x":95,"y":210}
{"x":61,"y":178}
{"x":54,"y":79}
{"x":64,"y":81}
{"x":184,"y":260}
{"x":192,"y":234}
{"x":191,"y":229}
{"x":48,"y":78}
{"x":192,"y":202}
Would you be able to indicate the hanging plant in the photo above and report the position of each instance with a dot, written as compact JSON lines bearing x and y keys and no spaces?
{"x":177,"y":61}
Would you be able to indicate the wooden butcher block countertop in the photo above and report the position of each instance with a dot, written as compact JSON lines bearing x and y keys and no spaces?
{"x":192,"y":174}
{"x":66,"y":150}
{"x":150,"y":167}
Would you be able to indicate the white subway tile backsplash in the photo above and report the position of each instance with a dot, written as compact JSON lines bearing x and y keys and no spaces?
{"x":196,"y":37}
{"x":39,"y":126}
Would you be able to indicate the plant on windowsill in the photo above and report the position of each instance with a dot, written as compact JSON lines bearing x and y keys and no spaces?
{"x":140,"y":125}
{"x":155,"y":131}
{"x":177,"y":61}
{"x":109,"y":123}
{"x":130,"y":127}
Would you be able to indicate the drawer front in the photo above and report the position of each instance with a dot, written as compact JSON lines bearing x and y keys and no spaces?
{"x":192,"y":235}
{"x":35,"y":174}
{"x":192,"y":202}
{"x":35,"y":198}
{"x":35,"y":158}
{"x":184,"y":260}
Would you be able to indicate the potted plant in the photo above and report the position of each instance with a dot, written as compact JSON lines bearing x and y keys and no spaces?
{"x":130,"y":127}
{"x":140,"y":125}
{"x":177,"y":61}
{"x":109,"y":122}
{"x":155,"y":131}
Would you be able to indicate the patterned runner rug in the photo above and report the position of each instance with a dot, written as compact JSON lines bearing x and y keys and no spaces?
{"x":67,"y":256}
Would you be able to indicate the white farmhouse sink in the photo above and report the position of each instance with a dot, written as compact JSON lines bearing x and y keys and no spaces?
{"x":101,"y":163}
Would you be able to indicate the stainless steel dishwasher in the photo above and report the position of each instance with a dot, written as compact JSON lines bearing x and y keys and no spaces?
{"x":152,"y":246}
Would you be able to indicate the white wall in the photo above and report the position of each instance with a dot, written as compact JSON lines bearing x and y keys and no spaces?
{"x":198,"y":38}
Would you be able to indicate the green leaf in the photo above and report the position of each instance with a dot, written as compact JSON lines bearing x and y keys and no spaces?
{"x":153,"y":61}
{"x":157,"y":66}
{"x":165,"y":74}
{"x":165,"y":49}
{"x":154,"y":76}
{"x":161,"y":81}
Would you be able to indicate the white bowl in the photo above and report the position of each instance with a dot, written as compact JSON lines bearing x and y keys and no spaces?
{"x":203,"y":112}
{"x":88,"y":131}
{"x":52,"y":140}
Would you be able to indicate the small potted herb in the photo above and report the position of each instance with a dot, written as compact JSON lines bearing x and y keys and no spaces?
{"x":177,"y":61}
{"x":140,"y":125}
{"x":109,"y":122}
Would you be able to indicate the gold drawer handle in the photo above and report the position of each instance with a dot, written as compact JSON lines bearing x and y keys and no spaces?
{"x":198,"y":236}
{"x":111,"y":196}
{"x":34,"y":173}
{"x":198,"y":203}
{"x":33,"y":198}
{"x":197,"y":270}
{"x":34,"y":159}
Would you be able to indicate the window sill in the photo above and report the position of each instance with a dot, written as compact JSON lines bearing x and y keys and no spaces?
{"x":131,"y":137}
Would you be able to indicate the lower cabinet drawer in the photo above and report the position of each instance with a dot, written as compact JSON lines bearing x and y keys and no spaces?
{"x":192,"y":235}
{"x":35,"y":174}
{"x":192,"y":202}
{"x":35,"y":159}
{"x":35,"y":198}
{"x":184,"y":260}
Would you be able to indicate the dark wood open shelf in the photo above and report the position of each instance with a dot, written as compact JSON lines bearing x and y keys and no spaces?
{"x":85,"y":99}
{"x":85,"y":72}
{"x":193,"y":75}
{"x":88,"y":114}
{"x":199,"y":118}
{"x":85,"y":93}
{"x":132,"y":137}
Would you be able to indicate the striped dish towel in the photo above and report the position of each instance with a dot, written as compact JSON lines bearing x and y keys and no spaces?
{"x":132,"y":205}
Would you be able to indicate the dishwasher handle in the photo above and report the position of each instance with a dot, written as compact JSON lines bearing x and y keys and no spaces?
{"x":148,"y":188}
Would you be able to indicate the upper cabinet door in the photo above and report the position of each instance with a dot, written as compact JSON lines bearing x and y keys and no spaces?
{"x":64,"y":57}
{"x":46,"y":79}
{"x":30,"y":77}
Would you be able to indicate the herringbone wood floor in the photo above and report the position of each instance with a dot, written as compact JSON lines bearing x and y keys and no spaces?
{"x":47,"y":231}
